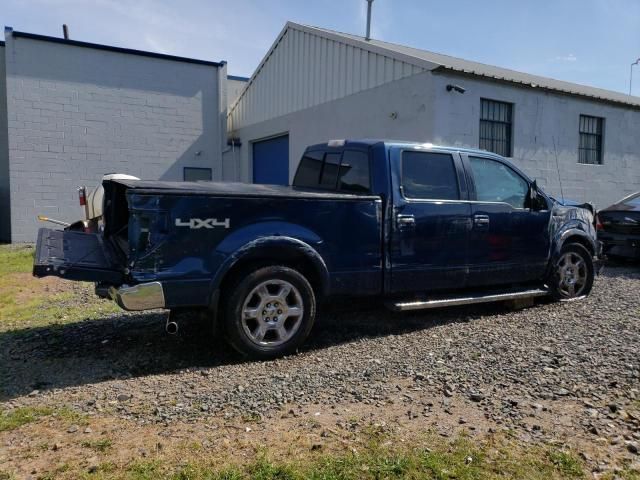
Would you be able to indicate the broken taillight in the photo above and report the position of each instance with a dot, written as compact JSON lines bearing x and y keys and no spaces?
{"x":599,"y":225}
{"x":82,"y":196}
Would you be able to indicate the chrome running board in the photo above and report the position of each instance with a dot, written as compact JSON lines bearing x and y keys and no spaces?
{"x":401,"y":306}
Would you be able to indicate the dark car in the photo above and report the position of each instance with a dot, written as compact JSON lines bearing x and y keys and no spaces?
{"x":619,"y":228}
{"x":417,"y":225}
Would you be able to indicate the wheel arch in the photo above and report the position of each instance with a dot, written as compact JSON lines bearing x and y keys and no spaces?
{"x":574,"y":235}
{"x":276,"y":250}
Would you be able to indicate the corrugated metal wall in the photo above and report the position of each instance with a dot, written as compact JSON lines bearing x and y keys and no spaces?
{"x":304,"y":70}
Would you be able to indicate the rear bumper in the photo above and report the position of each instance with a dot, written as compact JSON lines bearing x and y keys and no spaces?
{"x":145,"y":296}
{"x":620,"y":245}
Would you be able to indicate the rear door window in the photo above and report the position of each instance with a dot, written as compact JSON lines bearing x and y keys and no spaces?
{"x":429,"y":175}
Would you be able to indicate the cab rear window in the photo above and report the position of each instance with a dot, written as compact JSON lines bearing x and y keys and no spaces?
{"x":309,"y":170}
{"x":346,"y":171}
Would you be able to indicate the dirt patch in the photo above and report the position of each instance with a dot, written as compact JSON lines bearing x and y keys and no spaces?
{"x":294,"y":433}
{"x":26,"y":287}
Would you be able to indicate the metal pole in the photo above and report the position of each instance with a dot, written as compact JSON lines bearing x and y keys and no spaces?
{"x":368,"y":37}
{"x":631,"y":74}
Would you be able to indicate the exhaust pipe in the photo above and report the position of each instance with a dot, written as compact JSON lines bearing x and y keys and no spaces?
{"x":171,"y":327}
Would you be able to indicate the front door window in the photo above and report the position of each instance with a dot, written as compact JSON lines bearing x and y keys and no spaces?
{"x":496,"y":182}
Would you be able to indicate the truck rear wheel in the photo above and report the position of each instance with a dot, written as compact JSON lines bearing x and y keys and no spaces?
{"x":269,"y":312}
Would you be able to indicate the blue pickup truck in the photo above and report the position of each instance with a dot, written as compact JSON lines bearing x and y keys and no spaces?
{"x":418,"y":225}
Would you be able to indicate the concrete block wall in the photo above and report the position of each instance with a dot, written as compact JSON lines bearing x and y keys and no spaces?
{"x":546,"y":136}
{"x":5,"y":214}
{"x":76,"y":113}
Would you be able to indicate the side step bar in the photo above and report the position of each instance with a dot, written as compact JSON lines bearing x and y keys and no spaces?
{"x":402,"y":306}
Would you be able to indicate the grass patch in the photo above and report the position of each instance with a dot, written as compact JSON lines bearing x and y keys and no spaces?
{"x":461,"y":459}
{"x":19,"y":310}
{"x":15,"y":259}
{"x":101,"y":446}
{"x":566,"y":463}
{"x":15,"y":418}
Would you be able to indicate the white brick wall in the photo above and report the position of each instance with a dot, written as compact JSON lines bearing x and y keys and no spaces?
{"x":546,"y":136}
{"x":76,"y":113}
{"x":5,"y":217}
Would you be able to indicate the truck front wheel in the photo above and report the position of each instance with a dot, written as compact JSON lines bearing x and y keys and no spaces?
{"x":270,"y":312}
{"x":573,"y":273}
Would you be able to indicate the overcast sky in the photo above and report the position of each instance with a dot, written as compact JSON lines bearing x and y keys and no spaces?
{"x":592,"y":42}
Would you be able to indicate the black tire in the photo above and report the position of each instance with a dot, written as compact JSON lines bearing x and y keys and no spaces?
{"x":583,"y":273}
{"x":243,"y":331}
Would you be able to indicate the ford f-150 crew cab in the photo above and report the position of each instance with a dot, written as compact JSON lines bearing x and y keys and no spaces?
{"x":418,"y":225}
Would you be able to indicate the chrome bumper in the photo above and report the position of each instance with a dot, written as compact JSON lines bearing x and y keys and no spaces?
{"x":145,"y":296}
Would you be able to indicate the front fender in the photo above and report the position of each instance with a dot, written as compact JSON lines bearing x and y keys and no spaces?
{"x":260,"y":239}
{"x":572,"y":232}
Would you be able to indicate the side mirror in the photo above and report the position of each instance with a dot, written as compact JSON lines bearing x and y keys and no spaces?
{"x":533,"y":195}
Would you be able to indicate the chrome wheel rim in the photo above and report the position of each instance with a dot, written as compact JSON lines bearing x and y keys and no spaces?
{"x":572,"y":274}
{"x":272,"y":313}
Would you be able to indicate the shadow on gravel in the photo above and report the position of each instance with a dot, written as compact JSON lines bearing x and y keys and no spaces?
{"x":136,"y":345}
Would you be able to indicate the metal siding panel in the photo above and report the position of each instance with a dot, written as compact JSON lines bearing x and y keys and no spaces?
{"x":305,"y":70}
{"x":397,"y":70}
{"x":364,"y":69}
{"x":388,"y":69}
{"x":300,"y":76}
{"x":314,"y":60}
{"x":347,"y":71}
{"x":330,"y":84}
{"x":380,"y":60}
{"x":372,"y":70}
{"x":322,"y":69}
{"x":289,"y":70}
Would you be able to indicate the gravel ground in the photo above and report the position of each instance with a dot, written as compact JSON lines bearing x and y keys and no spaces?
{"x":556,"y":369}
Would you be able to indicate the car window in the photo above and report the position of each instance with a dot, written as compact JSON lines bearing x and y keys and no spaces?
{"x":633,"y":201}
{"x":308,"y":174}
{"x":496,"y":182}
{"x":329,"y":175}
{"x":354,"y":172}
{"x":429,"y":175}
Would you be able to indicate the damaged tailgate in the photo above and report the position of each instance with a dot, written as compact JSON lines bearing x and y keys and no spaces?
{"x":77,"y":256}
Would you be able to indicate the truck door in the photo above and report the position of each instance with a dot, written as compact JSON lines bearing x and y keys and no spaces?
{"x":431,"y":220}
{"x":509,"y":242}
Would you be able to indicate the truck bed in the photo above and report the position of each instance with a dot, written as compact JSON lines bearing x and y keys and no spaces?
{"x":234,"y":189}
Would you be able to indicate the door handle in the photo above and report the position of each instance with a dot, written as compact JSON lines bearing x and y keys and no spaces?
{"x":405,"y":221}
{"x":481,"y":221}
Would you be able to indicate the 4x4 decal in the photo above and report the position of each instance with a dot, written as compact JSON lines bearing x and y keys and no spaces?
{"x":196,"y":223}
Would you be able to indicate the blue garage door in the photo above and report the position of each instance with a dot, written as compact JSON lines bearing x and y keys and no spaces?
{"x":271,"y":161}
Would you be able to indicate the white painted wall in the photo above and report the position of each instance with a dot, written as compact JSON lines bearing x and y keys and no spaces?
{"x":368,"y":114}
{"x":76,"y":113}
